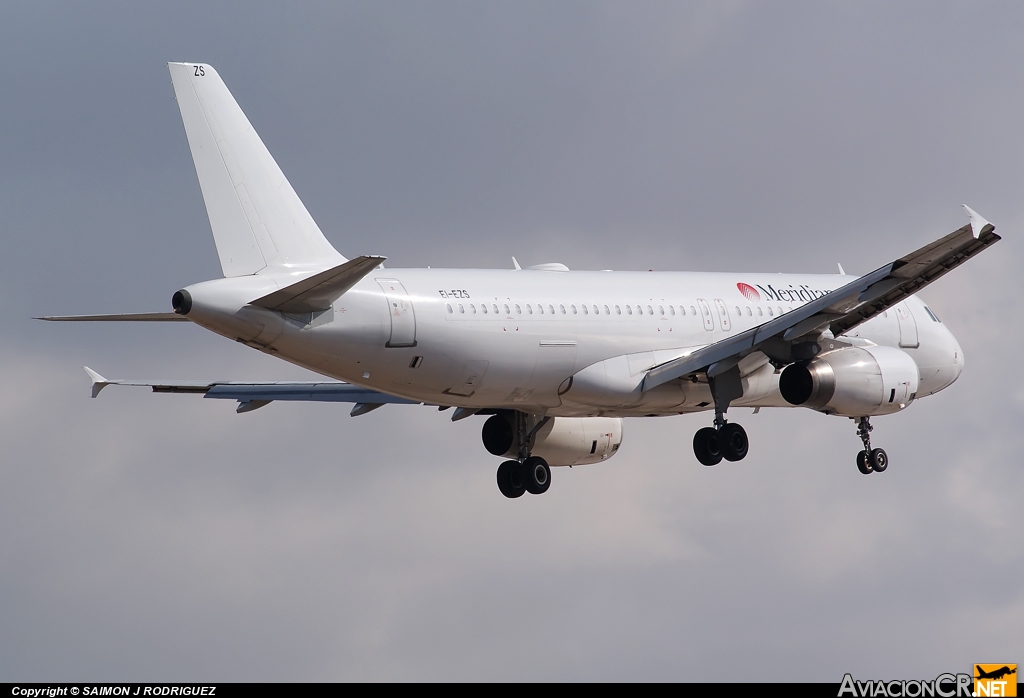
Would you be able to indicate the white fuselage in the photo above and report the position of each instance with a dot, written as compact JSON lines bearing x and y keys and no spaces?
{"x":512,"y":339}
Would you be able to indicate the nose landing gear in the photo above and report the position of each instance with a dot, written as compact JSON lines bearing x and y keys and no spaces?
{"x":869,"y":460}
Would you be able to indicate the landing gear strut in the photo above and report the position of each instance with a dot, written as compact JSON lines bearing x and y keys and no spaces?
{"x":529,"y":473}
{"x":869,"y":461}
{"x":724,"y":440}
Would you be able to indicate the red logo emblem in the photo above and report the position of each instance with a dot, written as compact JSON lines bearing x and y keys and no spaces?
{"x":749,"y":292}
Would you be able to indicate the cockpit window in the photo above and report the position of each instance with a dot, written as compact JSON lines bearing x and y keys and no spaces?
{"x":931,"y":314}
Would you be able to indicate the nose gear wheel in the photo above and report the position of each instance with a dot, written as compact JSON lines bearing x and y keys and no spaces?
{"x":869,"y":460}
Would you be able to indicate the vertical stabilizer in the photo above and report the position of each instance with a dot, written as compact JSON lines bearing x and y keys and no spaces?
{"x":257,"y":218}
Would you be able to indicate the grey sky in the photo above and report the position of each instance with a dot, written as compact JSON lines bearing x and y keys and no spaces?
{"x":167,"y":538}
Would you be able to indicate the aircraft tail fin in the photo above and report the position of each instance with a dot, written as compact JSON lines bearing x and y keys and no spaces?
{"x":258,"y":220}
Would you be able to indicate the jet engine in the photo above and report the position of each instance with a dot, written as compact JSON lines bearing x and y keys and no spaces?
{"x":560,"y":441}
{"x":853,"y":381}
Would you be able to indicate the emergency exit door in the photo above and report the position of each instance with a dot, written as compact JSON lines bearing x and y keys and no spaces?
{"x":908,"y":327}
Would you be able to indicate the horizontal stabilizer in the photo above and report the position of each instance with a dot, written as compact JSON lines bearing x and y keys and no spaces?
{"x":118,"y":317}
{"x":318,"y":292}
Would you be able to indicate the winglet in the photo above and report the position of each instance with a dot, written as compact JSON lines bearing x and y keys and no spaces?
{"x":978,"y":224}
{"x":98,"y":381}
{"x":516,"y":264}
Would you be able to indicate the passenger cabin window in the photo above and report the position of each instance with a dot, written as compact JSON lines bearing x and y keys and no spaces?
{"x":573,"y":309}
{"x":693,"y":311}
{"x":448,"y":306}
{"x":596,"y":310}
{"x":507,"y":311}
{"x":519,"y":311}
{"x":618,"y":310}
{"x":462,"y":309}
{"x":606,"y":311}
{"x":561,"y":308}
{"x":529,"y":309}
{"x":585,"y":311}
{"x":472,"y":308}
{"x":672,"y":310}
{"x":483,"y":308}
{"x":650,"y":310}
{"x":629,"y":310}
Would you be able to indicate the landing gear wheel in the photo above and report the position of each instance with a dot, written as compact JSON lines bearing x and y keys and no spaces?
{"x":707,"y":447}
{"x":864,"y":463}
{"x":733,"y":440}
{"x":510,"y":479}
{"x":536,"y":475}
{"x":879,"y":460}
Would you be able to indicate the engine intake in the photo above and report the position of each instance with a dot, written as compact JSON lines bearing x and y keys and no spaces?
{"x":498,"y":435}
{"x":853,"y":382}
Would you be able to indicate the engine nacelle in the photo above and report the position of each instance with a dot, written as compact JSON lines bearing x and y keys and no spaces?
{"x":561,"y":441}
{"x":853,"y":382}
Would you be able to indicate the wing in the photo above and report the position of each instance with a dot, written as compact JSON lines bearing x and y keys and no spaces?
{"x":253,"y":395}
{"x":838,"y":311}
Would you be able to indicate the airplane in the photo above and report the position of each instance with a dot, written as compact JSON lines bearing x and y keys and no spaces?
{"x":555,"y":359}
{"x":996,"y":674}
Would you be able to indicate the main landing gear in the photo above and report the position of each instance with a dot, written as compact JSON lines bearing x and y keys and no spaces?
{"x":529,"y":473}
{"x":869,"y":460}
{"x":532,"y":475}
{"x":712,"y":444}
{"x":724,"y":440}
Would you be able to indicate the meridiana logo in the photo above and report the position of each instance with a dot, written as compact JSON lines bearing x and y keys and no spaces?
{"x":749,"y":292}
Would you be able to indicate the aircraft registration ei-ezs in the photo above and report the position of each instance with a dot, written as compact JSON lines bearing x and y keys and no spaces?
{"x":555,"y":359}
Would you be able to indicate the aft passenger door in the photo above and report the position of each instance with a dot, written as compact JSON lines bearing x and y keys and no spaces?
{"x":403,"y":317}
